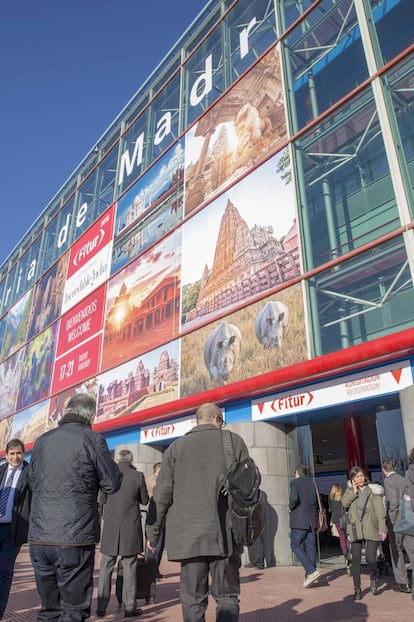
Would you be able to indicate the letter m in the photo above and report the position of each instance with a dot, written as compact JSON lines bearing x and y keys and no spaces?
{"x":127,"y":164}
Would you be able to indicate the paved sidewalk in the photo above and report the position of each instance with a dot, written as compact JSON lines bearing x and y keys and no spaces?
{"x":271,"y":595}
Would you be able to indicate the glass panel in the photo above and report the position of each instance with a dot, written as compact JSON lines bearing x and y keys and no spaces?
{"x":28,"y":269}
{"x":57,"y":236}
{"x":394,"y":23}
{"x":391,"y":439}
{"x":165,"y":115}
{"x":401,"y":83}
{"x":134,"y":152}
{"x":290,"y":10}
{"x":318,"y":54}
{"x":203,"y":77}
{"x":347,"y":198}
{"x":2,"y":293}
{"x":105,"y":186}
{"x":251,"y":30}
{"x":362,"y":299}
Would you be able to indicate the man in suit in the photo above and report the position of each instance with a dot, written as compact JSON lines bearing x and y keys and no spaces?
{"x":303,"y":508}
{"x":394,"y":486}
{"x":122,"y":536}
{"x":196,"y":517}
{"x":14,"y":514}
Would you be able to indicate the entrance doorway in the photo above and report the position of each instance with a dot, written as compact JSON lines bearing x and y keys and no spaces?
{"x":377,"y":430}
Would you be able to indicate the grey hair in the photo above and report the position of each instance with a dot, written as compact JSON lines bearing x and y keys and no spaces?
{"x":125,"y":455}
{"x":207,"y":412}
{"x":83,"y":405}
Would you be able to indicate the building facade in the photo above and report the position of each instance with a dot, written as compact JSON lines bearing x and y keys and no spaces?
{"x":242,"y":233}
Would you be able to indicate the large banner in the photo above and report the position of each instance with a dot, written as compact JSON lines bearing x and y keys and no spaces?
{"x":79,"y":342}
{"x":89,"y":260}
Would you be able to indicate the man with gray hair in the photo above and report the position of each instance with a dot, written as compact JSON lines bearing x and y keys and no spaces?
{"x":69,"y":466}
{"x":197,"y":526}
{"x":122,"y":536}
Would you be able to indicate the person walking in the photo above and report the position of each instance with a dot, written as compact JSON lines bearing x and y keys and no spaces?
{"x":14,"y":514}
{"x":337,"y":509}
{"x":394,"y":487}
{"x":197,"y":533}
{"x":366,"y":523}
{"x":68,"y":467}
{"x":122,"y":536}
{"x":303,"y":509}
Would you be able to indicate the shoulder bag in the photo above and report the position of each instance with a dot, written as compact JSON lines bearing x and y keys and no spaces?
{"x":322,"y":523}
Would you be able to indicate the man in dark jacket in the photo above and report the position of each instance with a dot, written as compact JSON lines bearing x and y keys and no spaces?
{"x":69,"y":466}
{"x":14,"y":514}
{"x":122,"y":535}
{"x":303,"y":508}
{"x":394,"y":486}
{"x":186,"y":495}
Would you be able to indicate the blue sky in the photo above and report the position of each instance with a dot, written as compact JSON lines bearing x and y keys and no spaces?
{"x":67,"y":68}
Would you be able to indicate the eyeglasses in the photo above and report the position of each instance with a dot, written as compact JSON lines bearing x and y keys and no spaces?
{"x":221,"y":422}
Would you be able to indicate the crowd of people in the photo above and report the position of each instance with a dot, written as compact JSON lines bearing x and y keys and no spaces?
{"x":56,"y":511}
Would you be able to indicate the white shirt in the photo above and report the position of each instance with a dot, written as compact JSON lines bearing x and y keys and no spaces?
{"x":7,"y":517}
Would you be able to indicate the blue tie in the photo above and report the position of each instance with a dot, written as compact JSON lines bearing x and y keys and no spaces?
{"x":4,"y":494}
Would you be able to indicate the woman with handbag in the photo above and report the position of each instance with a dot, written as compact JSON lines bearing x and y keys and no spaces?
{"x":337,"y":509}
{"x":366,"y":525}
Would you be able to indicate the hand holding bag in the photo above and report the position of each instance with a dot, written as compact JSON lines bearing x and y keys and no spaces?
{"x":322,"y":523}
{"x":405,"y":520}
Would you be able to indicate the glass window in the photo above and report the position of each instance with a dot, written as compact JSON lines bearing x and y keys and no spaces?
{"x":347,"y":198}
{"x":28,"y":269}
{"x":394,"y":23}
{"x":362,"y":299}
{"x":290,"y":10}
{"x":2,"y":328}
{"x":134,"y":152}
{"x":57,"y":236}
{"x":400,"y":81}
{"x":251,"y":30}
{"x":2,"y":293}
{"x":203,"y":77}
{"x":318,"y":55}
{"x":105,"y":189}
{"x":165,"y":117}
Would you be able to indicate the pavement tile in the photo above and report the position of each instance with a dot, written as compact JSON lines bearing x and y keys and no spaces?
{"x":270,"y":595}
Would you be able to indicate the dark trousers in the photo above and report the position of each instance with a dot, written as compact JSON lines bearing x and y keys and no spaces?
{"x":371,"y":548}
{"x":129,"y":581}
{"x":8,"y":554}
{"x":64,"y":581}
{"x":303,"y":544}
{"x":225,"y":587}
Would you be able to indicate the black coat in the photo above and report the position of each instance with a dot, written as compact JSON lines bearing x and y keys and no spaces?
{"x":21,"y":506}
{"x":68,"y":467}
{"x":122,"y":528}
{"x":303,"y":503}
{"x":187,"y":491}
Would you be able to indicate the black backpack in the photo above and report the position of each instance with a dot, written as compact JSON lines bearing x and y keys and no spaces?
{"x":246,"y":500}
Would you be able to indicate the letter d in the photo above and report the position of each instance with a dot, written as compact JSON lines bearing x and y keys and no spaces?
{"x":207,"y":78}
{"x":63,"y":233}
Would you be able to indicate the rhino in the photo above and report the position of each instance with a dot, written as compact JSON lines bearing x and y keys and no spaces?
{"x":272,"y":324}
{"x":222,"y":351}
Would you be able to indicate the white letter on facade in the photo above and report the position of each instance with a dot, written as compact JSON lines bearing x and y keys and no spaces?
{"x":244,"y":38}
{"x":163,"y":128}
{"x":127,"y":163}
{"x":207,"y":78}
